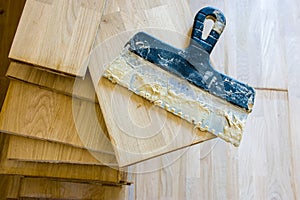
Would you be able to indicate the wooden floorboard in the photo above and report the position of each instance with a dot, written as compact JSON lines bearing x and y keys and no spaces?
{"x":292,"y":50}
{"x":40,"y":188}
{"x":268,"y":143}
{"x":70,"y":86}
{"x":83,"y":173}
{"x":64,"y":32}
{"x":36,"y":150}
{"x":34,"y":112}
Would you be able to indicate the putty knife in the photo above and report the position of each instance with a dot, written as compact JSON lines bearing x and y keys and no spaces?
{"x":183,"y":82}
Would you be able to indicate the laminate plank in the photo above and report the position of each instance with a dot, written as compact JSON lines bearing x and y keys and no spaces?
{"x":204,"y":180}
{"x":163,"y":177}
{"x":294,"y":105}
{"x":58,"y":34}
{"x":265,"y":155}
{"x":92,"y":173}
{"x":75,"y":87}
{"x":292,"y":50}
{"x":53,"y":189}
{"x":150,"y":131}
{"x":9,"y":186}
{"x":26,"y":149}
{"x":33,"y":112}
{"x":217,"y":175}
{"x":192,"y":177}
{"x":178,"y":173}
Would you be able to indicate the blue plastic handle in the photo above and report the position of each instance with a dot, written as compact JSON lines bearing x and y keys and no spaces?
{"x":219,"y":24}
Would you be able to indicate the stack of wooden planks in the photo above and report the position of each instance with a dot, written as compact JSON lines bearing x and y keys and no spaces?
{"x":47,"y":152}
{"x":58,"y":130}
{"x":54,"y":142}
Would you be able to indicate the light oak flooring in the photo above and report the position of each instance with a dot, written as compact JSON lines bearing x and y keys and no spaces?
{"x":260,"y":46}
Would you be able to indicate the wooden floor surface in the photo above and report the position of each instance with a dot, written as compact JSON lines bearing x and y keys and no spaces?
{"x":260,"y":46}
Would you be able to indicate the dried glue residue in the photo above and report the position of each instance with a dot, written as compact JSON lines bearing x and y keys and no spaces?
{"x":176,"y":96}
{"x":233,"y":130}
{"x":115,"y":74}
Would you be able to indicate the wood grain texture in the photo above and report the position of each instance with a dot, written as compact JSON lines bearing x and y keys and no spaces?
{"x":45,"y":151}
{"x":256,"y":170}
{"x":259,"y":169}
{"x":26,"y":149}
{"x":101,"y":174}
{"x":9,"y":186}
{"x":139,"y":130}
{"x":19,"y":187}
{"x":33,"y":112}
{"x":61,"y":129}
{"x":252,"y":41}
{"x":57,"y":34}
{"x":269,"y":175}
{"x":266,"y":164}
{"x":168,"y":170}
{"x":292,"y":50}
{"x":53,"y":189}
{"x":75,"y":87}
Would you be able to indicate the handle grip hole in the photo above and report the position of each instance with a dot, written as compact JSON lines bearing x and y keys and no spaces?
{"x":208,"y":25}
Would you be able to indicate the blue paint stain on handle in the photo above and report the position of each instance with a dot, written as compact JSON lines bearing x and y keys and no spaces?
{"x":193,"y":63}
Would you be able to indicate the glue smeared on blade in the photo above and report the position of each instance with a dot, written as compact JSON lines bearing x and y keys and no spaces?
{"x":176,"y":95}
